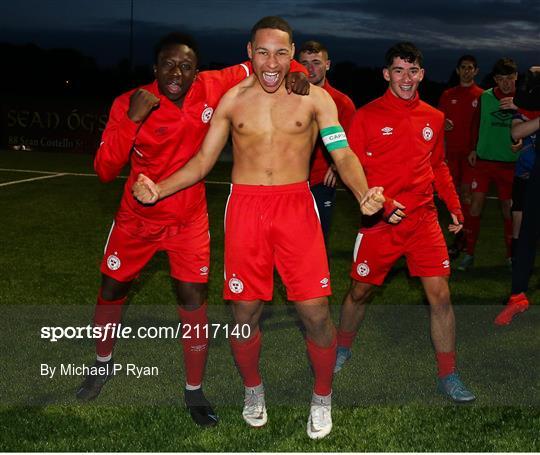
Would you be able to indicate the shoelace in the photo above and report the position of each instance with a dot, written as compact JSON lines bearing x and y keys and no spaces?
{"x":253,"y":402}
{"x":319,"y":415}
{"x":456,"y":386}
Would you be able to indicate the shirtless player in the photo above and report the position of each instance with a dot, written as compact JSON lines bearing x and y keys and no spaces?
{"x":270,"y":217}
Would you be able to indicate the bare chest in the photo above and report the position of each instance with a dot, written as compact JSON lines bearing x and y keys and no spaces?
{"x":284,"y":115}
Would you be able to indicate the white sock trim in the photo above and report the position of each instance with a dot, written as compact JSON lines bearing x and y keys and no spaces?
{"x":193,"y":387}
{"x":106,"y":358}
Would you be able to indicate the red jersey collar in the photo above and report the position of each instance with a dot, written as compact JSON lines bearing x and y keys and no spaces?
{"x":498,"y":94}
{"x":398,"y":103}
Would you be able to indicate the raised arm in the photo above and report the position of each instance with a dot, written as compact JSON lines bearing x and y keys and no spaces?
{"x":348,"y":166}
{"x":125,"y":119}
{"x":197,"y":167}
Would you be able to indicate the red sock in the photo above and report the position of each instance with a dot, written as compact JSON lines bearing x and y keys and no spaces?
{"x":508,"y":237}
{"x":446,"y":363}
{"x":107,"y":312}
{"x":323,"y":361}
{"x":472,"y":233}
{"x":246,"y":355}
{"x":195,"y":343}
{"x":345,"y":339}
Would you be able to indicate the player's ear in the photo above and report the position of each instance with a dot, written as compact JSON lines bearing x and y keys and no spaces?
{"x":249,"y":50}
{"x":386,"y":74}
{"x":293,"y":51}
{"x":421,"y":74}
{"x":476,"y":71}
{"x":155,"y":70}
{"x":328,"y":62}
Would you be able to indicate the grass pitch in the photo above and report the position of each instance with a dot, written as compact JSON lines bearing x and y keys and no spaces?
{"x":53,"y":231}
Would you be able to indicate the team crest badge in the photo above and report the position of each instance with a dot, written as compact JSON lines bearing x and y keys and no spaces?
{"x":207,"y":114}
{"x":427,"y":132}
{"x":236,"y":286}
{"x":474,"y":184}
{"x":475,"y":103}
{"x":363,"y":269}
{"x":113,"y":262}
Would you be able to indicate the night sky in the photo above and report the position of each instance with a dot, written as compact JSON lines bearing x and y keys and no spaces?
{"x":358,"y":31}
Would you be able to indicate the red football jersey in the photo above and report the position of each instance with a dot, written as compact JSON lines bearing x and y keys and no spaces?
{"x":401,"y":147}
{"x":459,"y":105}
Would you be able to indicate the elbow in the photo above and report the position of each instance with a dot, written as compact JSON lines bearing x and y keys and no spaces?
{"x":103,"y":174}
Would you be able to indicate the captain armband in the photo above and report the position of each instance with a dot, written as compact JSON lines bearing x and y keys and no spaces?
{"x":334,"y":138}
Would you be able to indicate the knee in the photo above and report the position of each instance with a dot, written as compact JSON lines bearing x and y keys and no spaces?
{"x":439,"y":300}
{"x":191,"y":295}
{"x":359,"y":293}
{"x":317,"y":322}
{"x":476,"y":208}
{"x":112,"y":289}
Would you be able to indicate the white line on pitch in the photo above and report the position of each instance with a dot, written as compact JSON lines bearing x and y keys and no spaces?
{"x":54,"y":174}
{"x":43,"y":177}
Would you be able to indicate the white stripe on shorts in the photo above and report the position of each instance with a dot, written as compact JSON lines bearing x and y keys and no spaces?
{"x":357,"y":245}
{"x":108,"y":238}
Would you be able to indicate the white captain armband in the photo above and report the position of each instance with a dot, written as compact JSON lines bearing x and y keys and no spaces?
{"x":334,"y":138}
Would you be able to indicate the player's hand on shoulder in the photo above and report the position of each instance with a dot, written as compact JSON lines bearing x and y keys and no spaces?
{"x":297,"y":83}
{"x":141,"y":103}
{"x":372,"y":201}
{"x":145,"y":190}
{"x":393,"y":211}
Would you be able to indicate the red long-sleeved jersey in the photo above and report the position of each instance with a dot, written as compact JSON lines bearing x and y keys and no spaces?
{"x":320,"y":159}
{"x":459,"y":104}
{"x":401,"y":147}
{"x":164,"y":142}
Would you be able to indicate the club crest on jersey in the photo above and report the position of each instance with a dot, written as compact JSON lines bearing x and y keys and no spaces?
{"x":207,"y":114}
{"x":475,"y":103}
{"x":387,"y":131}
{"x":427,"y":132}
{"x":474,"y":184}
{"x":363,"y":269}
{"x":236,"y":286}
{"x":113,"y":262}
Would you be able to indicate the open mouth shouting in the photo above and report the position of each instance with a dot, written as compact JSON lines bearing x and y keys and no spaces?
{"x":270,"y":79}
{"x":174,"y":86}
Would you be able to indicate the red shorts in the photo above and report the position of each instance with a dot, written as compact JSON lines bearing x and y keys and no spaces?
{"x":132,"y":242}
{"x":460,"y":169}
{"x":498,"y":172}
{"x":418,"y":237}
{"x":274,"y":225}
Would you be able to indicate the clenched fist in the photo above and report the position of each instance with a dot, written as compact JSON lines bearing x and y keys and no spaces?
{"x":372,"y":201}
{"x":140,"y":104}
{"x":145,"y":190}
